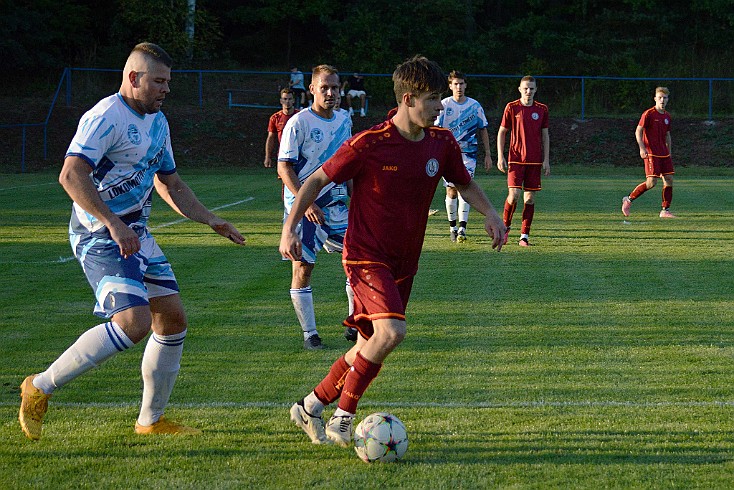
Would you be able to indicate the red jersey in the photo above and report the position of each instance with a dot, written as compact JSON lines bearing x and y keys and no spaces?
{"x":394,"y":183}
{"x":525,"y":124}
{"x":656,"y":127}
{"x":277,"y":122}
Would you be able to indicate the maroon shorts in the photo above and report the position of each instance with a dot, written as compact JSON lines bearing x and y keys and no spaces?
{"x":377,"y":295}
{"x":658,"y":166}
{"x":524,"y":176}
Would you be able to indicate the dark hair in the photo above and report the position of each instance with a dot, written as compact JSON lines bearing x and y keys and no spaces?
{"x":154,"y":52}
{"x":418,"y":75}
{"x":456,"y":74}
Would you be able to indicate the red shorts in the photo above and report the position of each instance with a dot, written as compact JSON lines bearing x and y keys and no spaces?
{"x":524,"y":176}
{"x":377,"y":295}
{"x":658,"y":166}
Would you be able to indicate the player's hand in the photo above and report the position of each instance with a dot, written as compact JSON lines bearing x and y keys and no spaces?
{"x":315,"y":214}
{"x":496,"y":229}
{"x":126,"y":238}
{"x":501,"y":166}
{"x":290,"y":245}
{"x":643,"y":152}
{"x":268,"y":162}
{"x":227,"y":230}
{"x":488,"y":162}
{"x":546,"y":168}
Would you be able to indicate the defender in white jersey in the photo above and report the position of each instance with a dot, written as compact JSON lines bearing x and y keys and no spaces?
{"x":465,"y":118}
{"x":121,"y":150}
{"x":309,"y":139}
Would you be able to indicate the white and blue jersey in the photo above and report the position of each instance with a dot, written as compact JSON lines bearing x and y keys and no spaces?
{"x":308,"y":141}
{"x":463,"y":120}
{"x":124,"y":151}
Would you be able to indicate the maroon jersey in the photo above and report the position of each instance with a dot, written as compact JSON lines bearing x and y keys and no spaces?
{"x":656,"y":127}
{"x":526,"y":124}
{"x":277,"y":122}
{"x":394,"y":183}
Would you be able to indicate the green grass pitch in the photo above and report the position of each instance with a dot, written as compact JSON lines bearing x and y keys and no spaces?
{"x":602,"y":357}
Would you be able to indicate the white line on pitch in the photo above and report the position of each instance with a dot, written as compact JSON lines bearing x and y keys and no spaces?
{"x":408,"y":405}
{"x":25,"y":186}
{"x":63,"y":260}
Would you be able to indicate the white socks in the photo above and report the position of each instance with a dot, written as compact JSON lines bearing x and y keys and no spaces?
{"x":161,"y":362}
{"x":451,"y":207}
{"x":464,"y":208}
{"x":91,"y":349}
{"x":313,"y":405}
{"x":303,"y":304}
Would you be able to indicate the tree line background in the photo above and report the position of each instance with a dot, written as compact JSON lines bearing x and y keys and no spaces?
{"x":635,"y":38}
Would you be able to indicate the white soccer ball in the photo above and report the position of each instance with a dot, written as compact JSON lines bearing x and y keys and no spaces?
{"x":380,"y":437}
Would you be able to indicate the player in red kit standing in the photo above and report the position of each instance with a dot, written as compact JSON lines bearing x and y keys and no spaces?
{"x":529,"y":152}
{"x":653,"y":138}
{"x":395,"y":168}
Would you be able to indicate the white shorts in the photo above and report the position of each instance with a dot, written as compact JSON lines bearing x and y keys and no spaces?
{"x":120,"y":283}
{"x":356,"y":93}
{"x":471,"y":166}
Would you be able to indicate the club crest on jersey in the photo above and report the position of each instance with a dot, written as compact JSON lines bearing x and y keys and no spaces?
{"x":449,"y":111}
{"x":432,"y":167}
{"x":535,"y":116}
{"x":317,"y":135}
{"x":133,"y":134}
{"x":666,"y":121}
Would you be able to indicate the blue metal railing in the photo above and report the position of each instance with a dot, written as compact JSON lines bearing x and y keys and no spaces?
{"x":66,"y":81}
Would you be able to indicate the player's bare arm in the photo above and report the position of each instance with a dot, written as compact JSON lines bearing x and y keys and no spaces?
{"x":546,"y":151}
{"x":290,"y":244}
{"x":640,"y":137}
{"x":484,"y":136}
{"x":290,"y":179}
{"x":269,"y":149}
{"x":75,"y":180}
{"x":182,"y":199}
{"x":501,"y":162}
{"x":474,"y":195}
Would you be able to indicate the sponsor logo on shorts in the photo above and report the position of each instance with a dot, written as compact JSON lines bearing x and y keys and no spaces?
{"x":133,"y":134}
{"x":432,"y":167}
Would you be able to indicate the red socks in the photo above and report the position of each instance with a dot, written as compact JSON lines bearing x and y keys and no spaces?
{"x":508,"y":212}
{"x":667,"y":196}
{"x":527,"y":218}
{"x":639,"y":190}
{"x":357,"y":380}
{"x":331,"y":386}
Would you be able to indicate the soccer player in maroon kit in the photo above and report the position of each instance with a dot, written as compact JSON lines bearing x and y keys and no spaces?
{"x":395,"y":167}
{"x":527,"y":120}
{"x":653,"y":138}
{"x":276,"y":123}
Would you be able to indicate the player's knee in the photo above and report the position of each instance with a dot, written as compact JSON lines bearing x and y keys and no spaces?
{"x":135,"y":322}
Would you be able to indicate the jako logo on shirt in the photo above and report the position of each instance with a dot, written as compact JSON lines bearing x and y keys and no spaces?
{"x":432,"y":167}
{"x":317,"y":135}
{"x":133,"y":134}
{"x":535,"y":116}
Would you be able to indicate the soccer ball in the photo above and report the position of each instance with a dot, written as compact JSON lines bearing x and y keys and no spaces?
{"x":380,"y":437}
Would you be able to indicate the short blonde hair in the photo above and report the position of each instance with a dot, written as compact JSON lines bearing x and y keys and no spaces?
{"x":663,"y":90}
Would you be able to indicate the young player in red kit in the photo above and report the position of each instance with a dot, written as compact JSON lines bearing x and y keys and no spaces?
{"x":653,"y":138}
{"x":529,"y":152}
{"x":395,"y":168}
